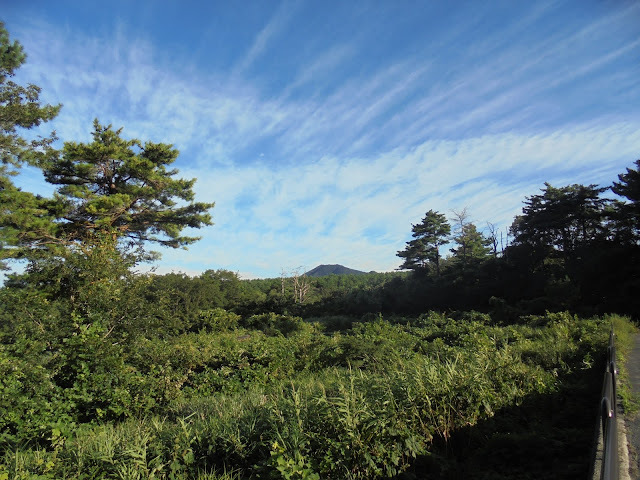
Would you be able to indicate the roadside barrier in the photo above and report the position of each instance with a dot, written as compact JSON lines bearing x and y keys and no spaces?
{"x":609,"y":417}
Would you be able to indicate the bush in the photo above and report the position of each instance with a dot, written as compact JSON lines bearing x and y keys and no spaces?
{"x":216,"y":320}
{"x":273,"y":324}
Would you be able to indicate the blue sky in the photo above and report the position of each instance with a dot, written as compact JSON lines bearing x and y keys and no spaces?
{"x":324,"y":129}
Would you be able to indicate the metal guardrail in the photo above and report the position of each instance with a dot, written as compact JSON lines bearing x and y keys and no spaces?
{"x":609,"y":415}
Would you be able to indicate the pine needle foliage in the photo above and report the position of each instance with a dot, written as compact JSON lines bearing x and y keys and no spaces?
{"x":124,"y":188}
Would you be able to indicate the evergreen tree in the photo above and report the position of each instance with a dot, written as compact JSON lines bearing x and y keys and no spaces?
{"x":628,"y":214}
{"x":629,"y":185}
{"x":114,"y":196}
{"x":22,"y":214}
{"x":124,"y":189}
{"x":563,"y":245}
{"x":562,"y":220}
{"x":472,"y":246}
{"x":424,"y":250}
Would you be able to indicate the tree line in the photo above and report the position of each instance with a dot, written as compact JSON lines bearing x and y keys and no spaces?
{"x":573,"y":247}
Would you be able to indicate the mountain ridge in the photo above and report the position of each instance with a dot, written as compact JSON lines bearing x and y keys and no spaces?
{"x":324,"y":270}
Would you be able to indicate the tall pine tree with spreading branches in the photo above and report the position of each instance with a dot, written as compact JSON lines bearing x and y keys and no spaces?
{"x":423,"y":251}
{"x":23,"y":215}
{"x":123,"y":189}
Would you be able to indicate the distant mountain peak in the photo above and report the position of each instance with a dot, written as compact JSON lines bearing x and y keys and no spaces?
{"x":323,"y":270}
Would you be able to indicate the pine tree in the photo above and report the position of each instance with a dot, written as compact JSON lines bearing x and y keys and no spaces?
{"x":628,"y":214}
{"x":112,"y":192}
{"x":562,"y":220}
{"x":125,"y":189}
{"x":424,"y":250}
{"x":23,"y":216}
{"x":472,"y":246}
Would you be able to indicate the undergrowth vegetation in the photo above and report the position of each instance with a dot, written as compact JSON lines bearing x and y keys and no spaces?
{"x":273,"y":396}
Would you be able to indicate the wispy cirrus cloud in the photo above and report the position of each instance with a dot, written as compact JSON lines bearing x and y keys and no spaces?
{"x":320,"y":68}
{"x":339,"y":210}
{"x":221,"y":119}
{"x":274,"y":27}
{"x":335,"y":163}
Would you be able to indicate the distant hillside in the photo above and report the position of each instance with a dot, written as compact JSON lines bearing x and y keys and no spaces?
{"x":322,"y":270}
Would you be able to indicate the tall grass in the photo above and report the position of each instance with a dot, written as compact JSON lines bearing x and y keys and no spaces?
{"x":625,"y":332}
{"x":360,"y":404}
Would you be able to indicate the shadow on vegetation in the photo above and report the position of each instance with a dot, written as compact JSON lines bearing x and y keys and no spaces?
{"x":548,"y":436}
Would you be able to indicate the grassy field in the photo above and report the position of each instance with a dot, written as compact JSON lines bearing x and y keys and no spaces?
{"x":272,"y":396}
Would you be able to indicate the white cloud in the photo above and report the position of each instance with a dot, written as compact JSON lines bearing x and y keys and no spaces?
{"x":270,"y":30}
{"x":339,"y":172}
{"x":324,"y":210}
{"x":320,"y":67}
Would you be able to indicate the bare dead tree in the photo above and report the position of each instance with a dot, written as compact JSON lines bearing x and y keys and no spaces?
{"x":303,"y":288}
{"x":460,"y":218}
{"x":301,"y":285}
{"x":493,"y":237}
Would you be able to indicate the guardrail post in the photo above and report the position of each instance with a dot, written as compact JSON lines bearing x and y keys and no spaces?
{"x":608,"y":411}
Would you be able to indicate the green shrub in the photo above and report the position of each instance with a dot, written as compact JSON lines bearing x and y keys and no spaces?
{"x":273,"y":324}
{"x":333,"y":323}
{"x":216,"y":320}
{"x":28,"y":402}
